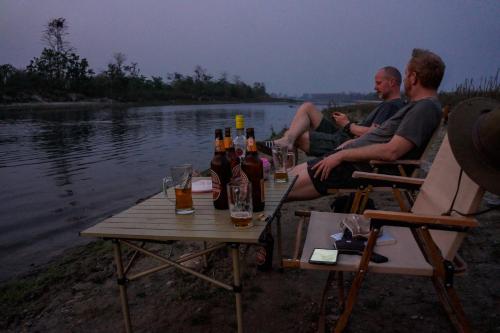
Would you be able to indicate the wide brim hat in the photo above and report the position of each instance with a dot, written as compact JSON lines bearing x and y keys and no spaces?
{"x":474,"y":135}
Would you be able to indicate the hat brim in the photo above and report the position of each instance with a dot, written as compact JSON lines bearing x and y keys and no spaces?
{"x":460,"y":128}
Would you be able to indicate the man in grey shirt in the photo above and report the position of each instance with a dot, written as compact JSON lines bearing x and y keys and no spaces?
{"x":403,"y":135}
{"x":317,"y":135}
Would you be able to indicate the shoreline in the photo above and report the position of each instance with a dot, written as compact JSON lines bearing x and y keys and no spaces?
{"x":110,"y":103}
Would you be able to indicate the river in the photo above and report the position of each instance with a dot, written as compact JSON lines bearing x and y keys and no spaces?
{"x":64,"y":170}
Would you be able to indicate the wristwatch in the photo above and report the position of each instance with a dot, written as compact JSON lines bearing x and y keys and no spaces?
{"x":347,"y":128}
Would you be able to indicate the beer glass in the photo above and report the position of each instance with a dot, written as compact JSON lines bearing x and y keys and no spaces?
{"x":180,"y":179}
{"x":239,"y":197}
{"x":280,"y":158}
{"x":291,"y":160}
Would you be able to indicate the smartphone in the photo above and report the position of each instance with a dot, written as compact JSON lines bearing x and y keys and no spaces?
{"x":324,"y":256}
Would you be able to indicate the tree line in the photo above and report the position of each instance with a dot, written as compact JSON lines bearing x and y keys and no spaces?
{"x":60,"y":74}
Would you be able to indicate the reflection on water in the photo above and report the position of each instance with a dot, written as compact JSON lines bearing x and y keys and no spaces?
{"x":63,"y":170}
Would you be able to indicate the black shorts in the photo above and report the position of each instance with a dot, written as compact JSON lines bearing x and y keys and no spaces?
{"x":325,"y":138}
{"x":340,"y":176}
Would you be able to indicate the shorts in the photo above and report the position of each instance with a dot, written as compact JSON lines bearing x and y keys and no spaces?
{"x":325,"y":138}
{"x":340,"y":176}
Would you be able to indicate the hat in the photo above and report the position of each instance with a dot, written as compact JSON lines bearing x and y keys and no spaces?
{"x":474,"y":134}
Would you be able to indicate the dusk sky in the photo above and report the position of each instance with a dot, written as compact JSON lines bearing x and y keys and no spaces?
{"x":292,"y":46}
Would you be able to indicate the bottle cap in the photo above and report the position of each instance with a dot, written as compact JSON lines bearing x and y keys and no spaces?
{"x":240,"y":121}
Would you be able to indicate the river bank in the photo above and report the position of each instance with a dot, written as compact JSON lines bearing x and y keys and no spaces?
{"x":45,"y":105}
{"x":77,"y":292}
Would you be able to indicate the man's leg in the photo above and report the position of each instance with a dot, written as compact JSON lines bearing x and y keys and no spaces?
{"x":306,"y":118}
{"x":303,"y":189}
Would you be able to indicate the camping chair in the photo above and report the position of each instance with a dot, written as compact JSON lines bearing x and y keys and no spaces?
{"x":427,"y":239}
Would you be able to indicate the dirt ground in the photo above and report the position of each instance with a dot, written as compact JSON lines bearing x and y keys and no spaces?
{"x":77,"y":292}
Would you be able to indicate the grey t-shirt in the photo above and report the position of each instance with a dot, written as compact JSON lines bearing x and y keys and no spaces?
{"x":415,"y":122}
{"x":382,"y":112}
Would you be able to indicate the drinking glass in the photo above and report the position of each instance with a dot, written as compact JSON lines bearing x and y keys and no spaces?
{"x":239,"y":196}
{"x":280,"y":158}
{"x":180,"y":179}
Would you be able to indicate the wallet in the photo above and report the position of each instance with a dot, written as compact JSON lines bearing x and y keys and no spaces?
{"x":349,"y":245}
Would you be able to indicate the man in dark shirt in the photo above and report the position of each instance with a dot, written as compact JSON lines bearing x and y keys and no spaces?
{"x":316,"y":135}
{"x":404,"y":135}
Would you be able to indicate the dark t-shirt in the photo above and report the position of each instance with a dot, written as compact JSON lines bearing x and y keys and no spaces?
{"x":382,"y":112}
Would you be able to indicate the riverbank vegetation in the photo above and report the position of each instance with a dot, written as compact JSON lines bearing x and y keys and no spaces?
{"x":59,"y":74}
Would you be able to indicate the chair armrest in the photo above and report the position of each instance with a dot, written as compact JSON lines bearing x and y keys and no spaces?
{"x":389,"y":179}
{"x":396,"y":162}
{"x":433,"y":221}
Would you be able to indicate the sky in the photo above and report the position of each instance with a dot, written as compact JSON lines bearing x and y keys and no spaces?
{"x":293,"y":46}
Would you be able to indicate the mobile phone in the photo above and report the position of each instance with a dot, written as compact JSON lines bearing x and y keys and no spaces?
{"x":324,"y":256}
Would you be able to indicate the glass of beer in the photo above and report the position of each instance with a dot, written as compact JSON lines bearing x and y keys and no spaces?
{"x":239,"y":196}
{"x":180,"y":179}
{"x":280,"y":158}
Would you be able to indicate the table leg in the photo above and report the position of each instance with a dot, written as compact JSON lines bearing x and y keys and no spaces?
{"x":122,"y":284}
{"x":235,"y":255}
{"x":278,"y":234}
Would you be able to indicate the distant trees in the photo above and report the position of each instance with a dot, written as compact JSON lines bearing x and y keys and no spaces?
{"x":59,"y":73}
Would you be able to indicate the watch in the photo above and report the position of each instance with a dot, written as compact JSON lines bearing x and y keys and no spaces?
{"x":347,"y":128}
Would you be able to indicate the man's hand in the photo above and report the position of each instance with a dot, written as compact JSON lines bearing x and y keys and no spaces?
{"x":340,"y":118}
{"x":325,"y":166}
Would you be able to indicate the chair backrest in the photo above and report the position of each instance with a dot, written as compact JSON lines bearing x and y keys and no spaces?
{"x":438,"y":192}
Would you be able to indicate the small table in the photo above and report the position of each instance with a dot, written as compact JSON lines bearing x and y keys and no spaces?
{"x":154,"y":220}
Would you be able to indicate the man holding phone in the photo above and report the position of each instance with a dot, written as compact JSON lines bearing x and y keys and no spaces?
{"x":316,"y":135}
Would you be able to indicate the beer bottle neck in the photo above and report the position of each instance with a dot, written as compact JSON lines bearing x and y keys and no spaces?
{"x":219,"y":146}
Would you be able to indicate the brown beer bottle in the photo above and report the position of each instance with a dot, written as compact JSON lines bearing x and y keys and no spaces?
{"x":232,"y":157}
{"x":220,"y":170}
{"x":253,"y":170}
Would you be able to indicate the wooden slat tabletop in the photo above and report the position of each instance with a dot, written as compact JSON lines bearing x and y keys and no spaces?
{"x":155,"y":219}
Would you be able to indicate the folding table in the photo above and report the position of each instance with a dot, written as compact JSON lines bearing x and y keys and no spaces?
{"x":154,"y":220}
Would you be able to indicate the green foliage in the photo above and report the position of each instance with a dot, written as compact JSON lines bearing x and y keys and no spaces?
{"x":59,"y":70}
{"x":485,"y":87}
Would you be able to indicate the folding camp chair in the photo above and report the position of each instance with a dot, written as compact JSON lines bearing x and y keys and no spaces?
{"x":427,"y":239}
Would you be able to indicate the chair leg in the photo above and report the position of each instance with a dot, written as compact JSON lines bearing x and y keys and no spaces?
{"x":358,"y":280}
{"x":322,"y":306}
{"x":445,"y":291}
{"x":451,"y":304}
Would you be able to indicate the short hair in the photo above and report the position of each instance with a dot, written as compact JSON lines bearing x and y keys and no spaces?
{"x":428,"y":66}
{"x":393,"y":73}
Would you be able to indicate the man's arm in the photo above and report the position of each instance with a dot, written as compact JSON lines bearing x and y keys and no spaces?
{"x":390,"y":151}
{"x":342,"y":120}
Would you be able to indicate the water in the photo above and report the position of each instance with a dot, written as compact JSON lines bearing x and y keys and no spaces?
{"x":64,"y":170}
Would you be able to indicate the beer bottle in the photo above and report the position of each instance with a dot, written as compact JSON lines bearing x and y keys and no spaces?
{"x":239,"y":140}
{"x":234,"y":160}
{"x":252,"y":169}
{"x":220,"y":170}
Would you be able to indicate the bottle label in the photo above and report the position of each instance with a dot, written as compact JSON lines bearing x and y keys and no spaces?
{"x":237,"y":171}
{"x":228,"y":142}
{"x":251,"y":146}
{"x":244,"y":177}
{"x":216,"y":185}
{"x":219,"y":145}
